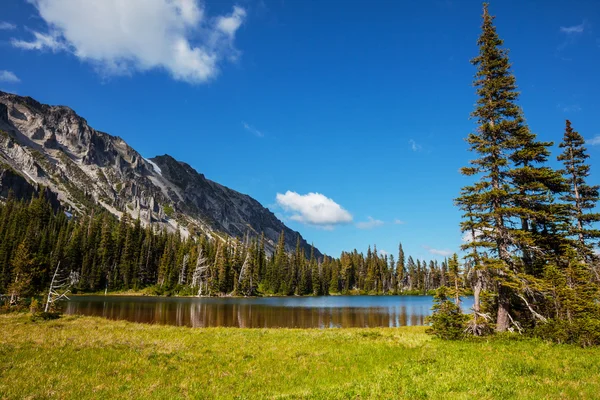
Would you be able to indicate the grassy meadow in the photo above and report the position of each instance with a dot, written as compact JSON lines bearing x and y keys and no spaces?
{"x":92,"y":358}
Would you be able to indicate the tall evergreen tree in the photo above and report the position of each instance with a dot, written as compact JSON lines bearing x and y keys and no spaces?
{"x":314,"y":271}
{"x":581,"y":197}
{"x":21,"y":279}
{"x":510,"y":201}
{"x":454,"y":278}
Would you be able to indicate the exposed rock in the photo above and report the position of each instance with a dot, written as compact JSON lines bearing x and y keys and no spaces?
{"x":10,"y":180}
{"x":54,"y":147}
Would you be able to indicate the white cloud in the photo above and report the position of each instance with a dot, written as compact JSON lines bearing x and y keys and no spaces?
{"x":252,"y":129}
{"x":569,"y":108}
{"x":468,"y":236}
{"x":230,"y":24}
{"x":571,"y":35}
{"x":122,"y":37}
{"x":414,"y":145}
{"x":313,"y":209}
{"x":399,"y":222}
{"x":594,"y":141}
{"x":7,"y":26}
{"x":42,"y":41}
{"x":8,"y":77}
{"x":438,"y":252}
{"x":369,"y":224}
{"x":573,"y":30}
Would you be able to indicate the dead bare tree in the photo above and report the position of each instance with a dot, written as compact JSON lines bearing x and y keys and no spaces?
{"x":60,"y":286}
{"x":246,"y":273}
{"x":200,"y":275}
{"x":183,"y":273}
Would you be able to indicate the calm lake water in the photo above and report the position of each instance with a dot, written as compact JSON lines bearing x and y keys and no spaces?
{"x":261,"y":312}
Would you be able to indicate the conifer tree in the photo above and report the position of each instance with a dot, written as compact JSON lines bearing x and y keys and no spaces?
{"x":21,"y":279}
{"x":401,"y":268}
{"x":334,"y":283}
{"x":392,"y":275}
{"x":222,"y":267}
{"x":314,"y":271}
{"x":580,"y":197}
{"x":280,"y":265}
{"x":455,"y":290}
{"x":412,"y":273}
{"x":510,"y":202}
{"x":261,"y":257}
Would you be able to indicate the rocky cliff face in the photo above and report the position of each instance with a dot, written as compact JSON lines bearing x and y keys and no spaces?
{"x":85,"y":168}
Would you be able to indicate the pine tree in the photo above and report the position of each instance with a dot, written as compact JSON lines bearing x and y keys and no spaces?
{"x":347,"y":272}
{"x":106,"y":250}
{"x":315,"y":274}
{"x":411,"y":273}
{"x":297,"y":265}
{"x":581,"y":197}
{"x":334,"y":283}
{"x":573,"y":303}
{"x":401,"y":268}
{"x":21,"y":276}
{"x":447,"y":321}
{"x":455,"y":289}
{"x":280,"y":266}
{"x":222,"y":267}
{"x":512,"y":201}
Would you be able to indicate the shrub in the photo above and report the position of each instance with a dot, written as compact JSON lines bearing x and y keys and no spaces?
{"x":45,"y":316}
{"x":34,"y":306}
{"x":447,"y":321}
{"x":169,"y":211}
{"x":581,"y":331}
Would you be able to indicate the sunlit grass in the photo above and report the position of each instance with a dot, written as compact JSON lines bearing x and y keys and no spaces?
{"x":93,"y":358}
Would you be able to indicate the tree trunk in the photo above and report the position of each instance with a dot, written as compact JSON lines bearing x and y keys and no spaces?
{"x":503,"y":321}
{"x":477,"y":291}
{"x":577,"y":199}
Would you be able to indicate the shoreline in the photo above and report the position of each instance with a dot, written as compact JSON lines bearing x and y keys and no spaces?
{"x":145,"y":294}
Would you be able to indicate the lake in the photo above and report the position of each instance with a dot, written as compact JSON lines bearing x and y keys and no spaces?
{"x":260,"y":312}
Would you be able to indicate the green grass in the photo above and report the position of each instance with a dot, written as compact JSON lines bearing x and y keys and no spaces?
{"x":92,"y":358}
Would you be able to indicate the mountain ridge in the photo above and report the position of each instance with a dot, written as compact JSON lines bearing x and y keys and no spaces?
{"x":55,"y":147}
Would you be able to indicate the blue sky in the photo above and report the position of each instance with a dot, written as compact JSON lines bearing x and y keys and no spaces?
{"x":365,"y":103}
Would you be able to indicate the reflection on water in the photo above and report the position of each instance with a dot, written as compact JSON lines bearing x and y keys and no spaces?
{"x":266,"y":312}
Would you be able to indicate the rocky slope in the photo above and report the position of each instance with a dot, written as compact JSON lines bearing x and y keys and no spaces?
{"x":85,"y":168}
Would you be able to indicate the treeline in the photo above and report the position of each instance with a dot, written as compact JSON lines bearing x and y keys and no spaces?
{"x":110,"y":254}
{"x":533,"y":240}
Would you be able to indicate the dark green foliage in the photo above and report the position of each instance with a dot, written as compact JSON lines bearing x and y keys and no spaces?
{"x":111,"y":255}
{"x":584,"y":332}
{"x":572,"y":303}
{"x":531,"y":239}
{"x":45,"y":316}
{"x":510,"y":188}
{"x":447,"y":321}
{"x":169,"y":211}
{"x":580,"y":197}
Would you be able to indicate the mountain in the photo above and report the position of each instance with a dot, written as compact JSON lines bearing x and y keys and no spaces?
{"x":85,"y":168}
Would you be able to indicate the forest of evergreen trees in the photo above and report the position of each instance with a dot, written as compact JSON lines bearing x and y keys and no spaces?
{"x":111,"y":254}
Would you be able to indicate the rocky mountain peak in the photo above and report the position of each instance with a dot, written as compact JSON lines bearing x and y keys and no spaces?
{"x":55,"y":147}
